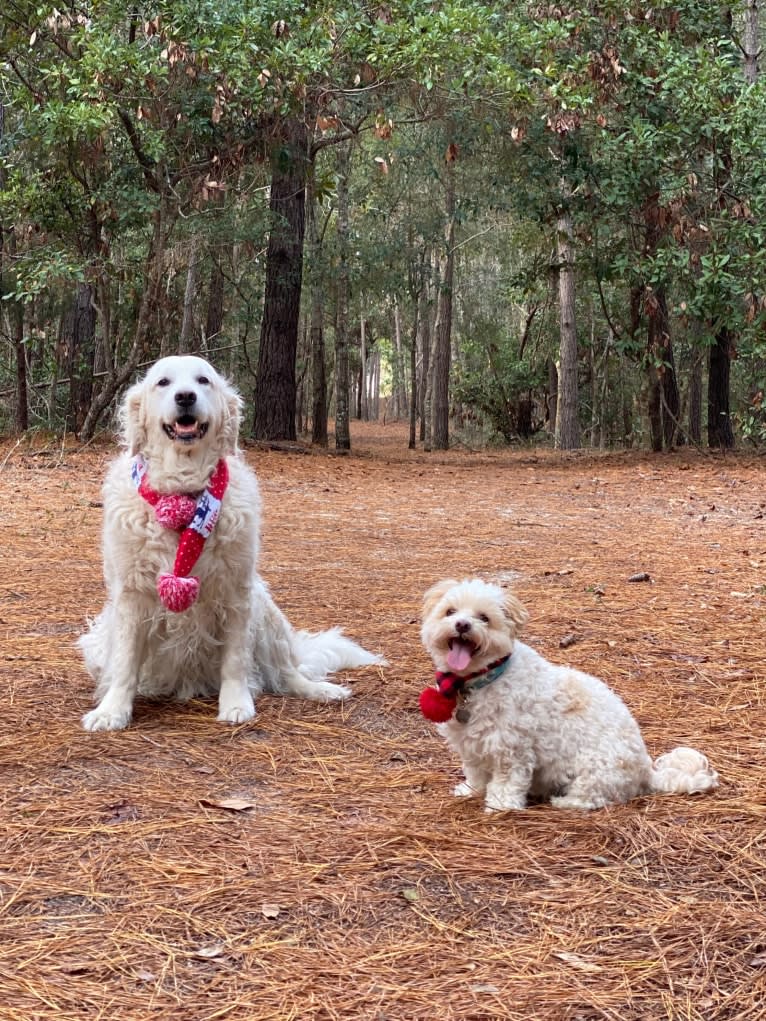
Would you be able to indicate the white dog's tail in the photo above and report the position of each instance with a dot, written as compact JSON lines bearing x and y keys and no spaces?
{"x":324,"y":652}
{"x":683,"y":771}
{"x":297,"y":662}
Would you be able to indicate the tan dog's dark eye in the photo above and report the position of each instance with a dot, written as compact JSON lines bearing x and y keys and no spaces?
{"x":203,"y":381}
{"x":163,"y":382}
{"x":484,"y":618}
{"x":450,"y":612}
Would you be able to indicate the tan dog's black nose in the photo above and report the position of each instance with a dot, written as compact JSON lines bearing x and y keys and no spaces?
{"x":462,"y":626}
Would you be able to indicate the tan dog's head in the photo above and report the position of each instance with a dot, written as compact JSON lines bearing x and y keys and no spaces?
{"x":469,"y":624}
{"x":183,"y":405}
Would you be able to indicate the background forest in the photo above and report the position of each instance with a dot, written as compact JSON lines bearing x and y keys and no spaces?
{"x":501,"y":222}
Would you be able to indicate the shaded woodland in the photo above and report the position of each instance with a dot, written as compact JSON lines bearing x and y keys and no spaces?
{"x":500,"y":223}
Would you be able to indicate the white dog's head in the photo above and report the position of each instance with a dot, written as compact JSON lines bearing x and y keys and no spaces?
{"x":469,"y":624}
{"x":183,"y":405}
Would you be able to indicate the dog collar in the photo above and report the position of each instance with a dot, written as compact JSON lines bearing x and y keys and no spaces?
{"x":194,"y":518}
{"x":494,"y":670}
{"x":438,"y":705}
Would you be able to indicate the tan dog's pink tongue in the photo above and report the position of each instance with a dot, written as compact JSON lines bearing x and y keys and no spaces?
{"x":459,"y":655}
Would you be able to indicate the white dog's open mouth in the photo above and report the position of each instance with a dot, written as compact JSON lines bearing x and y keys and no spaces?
{"x":461,"y":652}
{"x":185,"y":429}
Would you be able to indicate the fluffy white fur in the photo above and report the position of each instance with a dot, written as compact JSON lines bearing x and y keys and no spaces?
{"x":233,"y":642}
{"x":539,"y":730}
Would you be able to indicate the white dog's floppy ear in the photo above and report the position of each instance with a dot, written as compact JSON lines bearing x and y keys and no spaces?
{"x":132,"y":417}
{"x":513,"y":610}
{"x":435,"y":593}
{"x":232,"y":416}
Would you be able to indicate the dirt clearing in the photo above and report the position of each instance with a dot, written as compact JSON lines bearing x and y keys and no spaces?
{"x":312,"y":864}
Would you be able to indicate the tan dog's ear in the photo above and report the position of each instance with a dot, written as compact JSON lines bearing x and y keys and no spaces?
{"x":232,"y":416}
{"x":132,"y":417}
{"x":434,"y":594}
{"x":514,"y":611}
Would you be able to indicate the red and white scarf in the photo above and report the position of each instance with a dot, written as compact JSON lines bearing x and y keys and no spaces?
{"x":194,"y":518}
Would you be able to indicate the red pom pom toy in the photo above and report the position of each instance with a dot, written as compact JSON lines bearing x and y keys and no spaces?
{"x":436,"y":707}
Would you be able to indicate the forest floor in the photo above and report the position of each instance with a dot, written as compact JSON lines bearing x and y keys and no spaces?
{"x":313,"y":864}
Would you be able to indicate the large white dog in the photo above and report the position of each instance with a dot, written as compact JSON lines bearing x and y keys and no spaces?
{"x":525,"y":727}
{"x":187,"y":613}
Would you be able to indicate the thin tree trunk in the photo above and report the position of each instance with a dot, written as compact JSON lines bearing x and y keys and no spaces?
{"x":751,"y":47}
{"x":425,"y":371}
{"x":443,"y":339}
{"x":342,"y":396}
{"x":414,"y":374}
{"x":316,"y":329}
{"x":695,"y":398}
{"x":364,"y":407}
{"x":719,"y":430}
{"x":79,"y":337}
{"x":215,"y":296}
{"x":567,"y":434}
{"x":275,"y":397}
{"x":188,"y":341}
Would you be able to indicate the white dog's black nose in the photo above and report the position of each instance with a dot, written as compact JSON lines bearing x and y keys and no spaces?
{"x":462,"y":626}
{"x":186,"y":399}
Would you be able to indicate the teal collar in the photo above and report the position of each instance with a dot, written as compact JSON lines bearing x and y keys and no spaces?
{"x":497,"y":670}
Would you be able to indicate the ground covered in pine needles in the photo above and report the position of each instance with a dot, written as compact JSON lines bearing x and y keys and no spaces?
{"x":313,"y":864}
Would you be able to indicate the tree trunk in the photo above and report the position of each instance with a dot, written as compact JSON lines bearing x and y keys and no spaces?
{"x":719,"y":430}
{"x":215,"y":294}
{"x":414,"y":396}
{"x":274,"y":396}
{"x":553,"y":395}
{"x":364,"y":406}
{"x":22,"y":389}
{"x":79,"y":337}
{"x":188,"y":340}
{"x":695,"y":398}
{"x":342,"y":381}
{"x":443,"y":341}
{"x":751,"y":47}
{"x":316,"y":327}
{"x":425,"y":372}
{"x":567,"y":434}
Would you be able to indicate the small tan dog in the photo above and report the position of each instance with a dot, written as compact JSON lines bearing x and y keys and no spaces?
{"x":525,"y":727}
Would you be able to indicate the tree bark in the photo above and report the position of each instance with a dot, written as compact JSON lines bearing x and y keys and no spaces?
{"x":719,"y":431}
{"x":425,"y":371}
{"x":751,"y":48}
{"x":274,"y":397}
{"x":188,"y":341}
{"x":695,"y":398}
{"x":442,"y":348}
{"x":79,"y":337}
{"x":567,"y":434}
{"x":342,"y":381}
{"x":364,"y":405}
{"x":316,"y":324}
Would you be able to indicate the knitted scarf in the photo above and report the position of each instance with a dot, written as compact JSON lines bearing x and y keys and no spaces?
{"x":194,"y":518}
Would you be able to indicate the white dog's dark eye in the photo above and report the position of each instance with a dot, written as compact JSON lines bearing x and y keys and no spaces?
{"x":163,"y":382}
{"x":203,"y":381}
{"x":484,"y":618}
{"x":449,"y":613}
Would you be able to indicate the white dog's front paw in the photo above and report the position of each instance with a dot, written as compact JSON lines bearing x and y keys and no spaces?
{"x":464,"y":790}
{"x":106,"y":719}
{"x":326,"y":691}
{"x":506,"y":803}
{"x":239,"y":711}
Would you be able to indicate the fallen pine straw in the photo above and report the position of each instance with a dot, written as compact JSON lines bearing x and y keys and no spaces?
{"x":313,"y":864}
